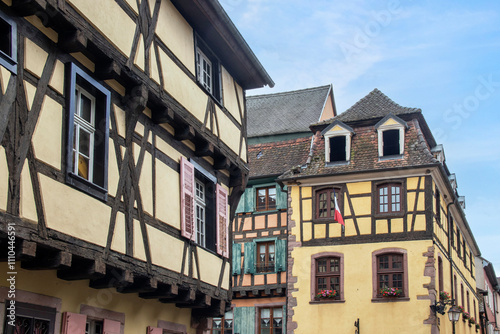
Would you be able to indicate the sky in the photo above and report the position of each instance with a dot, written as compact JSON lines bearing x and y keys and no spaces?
{"x":440,"y":56}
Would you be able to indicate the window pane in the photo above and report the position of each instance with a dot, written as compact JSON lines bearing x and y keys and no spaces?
{"x":217,"y":323}
{"x":383,"y":262}
{"x":383,"y":281}
{"x":83,"y":167}
{"x":272,"y":198}
{"x":334,"y":265}
{"x":321,"y":266}
{"x":335,"y":283}
{"x":397,"y":281}
{"x":397,"y":262}
{"x":86,"y":108}
{"x":321,"y":283}
{"x":277,"y":312}
{"x":84,"y":143}
{"x":322,"y":205}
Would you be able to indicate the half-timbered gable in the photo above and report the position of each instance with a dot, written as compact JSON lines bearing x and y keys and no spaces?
{"x":123,"y":156}
{"x":404,"y":238}
{"x":279,"y":140}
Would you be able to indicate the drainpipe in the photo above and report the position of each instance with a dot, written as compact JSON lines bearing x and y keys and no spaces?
{"x":450,"y":236}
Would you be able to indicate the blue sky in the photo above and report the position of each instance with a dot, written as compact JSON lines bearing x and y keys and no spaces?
{"x":440,"y":56}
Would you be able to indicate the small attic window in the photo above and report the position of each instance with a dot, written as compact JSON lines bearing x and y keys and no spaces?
{"x":337,"y":142}
{"x":391,"y":137}
{"x":391,"y":142}
{"x":337,"y":149}
{"x":259,"y":155}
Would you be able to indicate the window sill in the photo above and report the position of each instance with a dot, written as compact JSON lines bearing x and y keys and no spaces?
{"x":337,"y":163}
{"x":86,"y":186}
{"x":326,"y":301}
{"x":390,"y":300}
{"x":391,"y":157}
{"x":389,"y":215}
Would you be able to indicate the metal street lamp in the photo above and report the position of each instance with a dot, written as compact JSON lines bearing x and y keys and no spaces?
{"x":454,"y":313}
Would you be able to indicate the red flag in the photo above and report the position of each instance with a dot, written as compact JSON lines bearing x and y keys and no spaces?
{"x":338,"y":216}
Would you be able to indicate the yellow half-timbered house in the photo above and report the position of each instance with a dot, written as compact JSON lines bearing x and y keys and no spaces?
{"x":123,"y":156}
{"x":405,"y":242}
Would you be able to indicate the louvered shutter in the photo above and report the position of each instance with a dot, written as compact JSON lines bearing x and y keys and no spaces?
{"x":244,"y":320}
{"x":110,"y":327}
{"x":188,"y":225}
{"x":222,"y":222}
{"x":154,"y":330}
{"x":281,"y":252}
{"x":73,"y":323}
{"x":249,"y":258}
{"x":250,"y":200}
{"x":236,"y":263}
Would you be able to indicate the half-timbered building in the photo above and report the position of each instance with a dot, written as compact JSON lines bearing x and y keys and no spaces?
{"x":123,"y":156}
{"x":404,"y":240}
{"x":279,"y":139}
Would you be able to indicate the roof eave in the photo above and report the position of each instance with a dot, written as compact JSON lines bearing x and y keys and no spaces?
{"x":212,"y":23}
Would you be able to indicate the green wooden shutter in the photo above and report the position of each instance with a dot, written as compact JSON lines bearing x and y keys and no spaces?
{"x":249,"y":258}
{"x":241,"y":204}
{"x":250,"y":200}
{"x":236,"y":263}
{"x":281,"y":252}
{"x":244,"y":320}
{"x":281,"y":197}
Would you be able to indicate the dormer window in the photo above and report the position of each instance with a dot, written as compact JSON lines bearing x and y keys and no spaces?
{"x":337,"y":142}
{"x":391,"y":136}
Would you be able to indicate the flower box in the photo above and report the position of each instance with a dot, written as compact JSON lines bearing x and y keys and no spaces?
{"x":327,"y":294}
{"x":391,"y":293}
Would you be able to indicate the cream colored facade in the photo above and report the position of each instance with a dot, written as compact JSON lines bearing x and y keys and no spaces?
{"x":110,"y":233}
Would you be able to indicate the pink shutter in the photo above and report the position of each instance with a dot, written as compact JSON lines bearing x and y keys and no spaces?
{"x":187,"y":199}
{"x":222,"y":222}
{"x":73,"y":323}
{"x":154,"y":330}
{"x":111,"y":326}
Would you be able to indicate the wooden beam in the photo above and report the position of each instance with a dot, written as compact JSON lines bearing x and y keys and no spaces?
{"x":184,"y":132}
{"x":83,"y":269}
{"x":28,"y":7}
{"x":140,"y":284}
{"x":162,"y":291}
{"x":204,"y":149}
{"x":114,"y":278}
{"x":72,"y":41}
{"x":108,"y":69}
{"x":202,"y":301}
{"x":48,"y":260}
{"x":163,"y":115}
{"x":184,"y":296}
{"x":222,"y":162}
{"x":217,"y":309}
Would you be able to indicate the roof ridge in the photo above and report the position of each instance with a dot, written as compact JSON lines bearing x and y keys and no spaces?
{"x":289,"y":92}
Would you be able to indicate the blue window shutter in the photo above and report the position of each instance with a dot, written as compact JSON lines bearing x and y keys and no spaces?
{"x":241,"y":204}
{"x":281,"y":197}
{"x":244,"y":320}
{"x":249,"y":258}
{"x":281,"y":252}
{"x":236,"y":263}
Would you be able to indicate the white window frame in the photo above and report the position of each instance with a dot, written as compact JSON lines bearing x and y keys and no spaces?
{"x":79,"y":122}
{"x":200,"y":211}
{"x":340,"y":133}
{"x":201,"y":60}
{"x":380,"y":132}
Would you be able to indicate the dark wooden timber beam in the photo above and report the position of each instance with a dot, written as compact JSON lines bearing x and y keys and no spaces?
{"x":217,"y":309}
{"x":108,"y":69}
{"x":204,"y":149}
{"x":28,"y":7}
{"x":163,"y":291}
{"x":222,"y":162}
{"x":184,"y":132}
{"x":48,"y":259}
{"x":202,"y":301}
{"x":83,"y":269}
{"x":140,"y":284}
{"x":163,"y":115}
{"x":184,"y":296}
{"x":72,"y":41}
{"x":114,"y":278}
